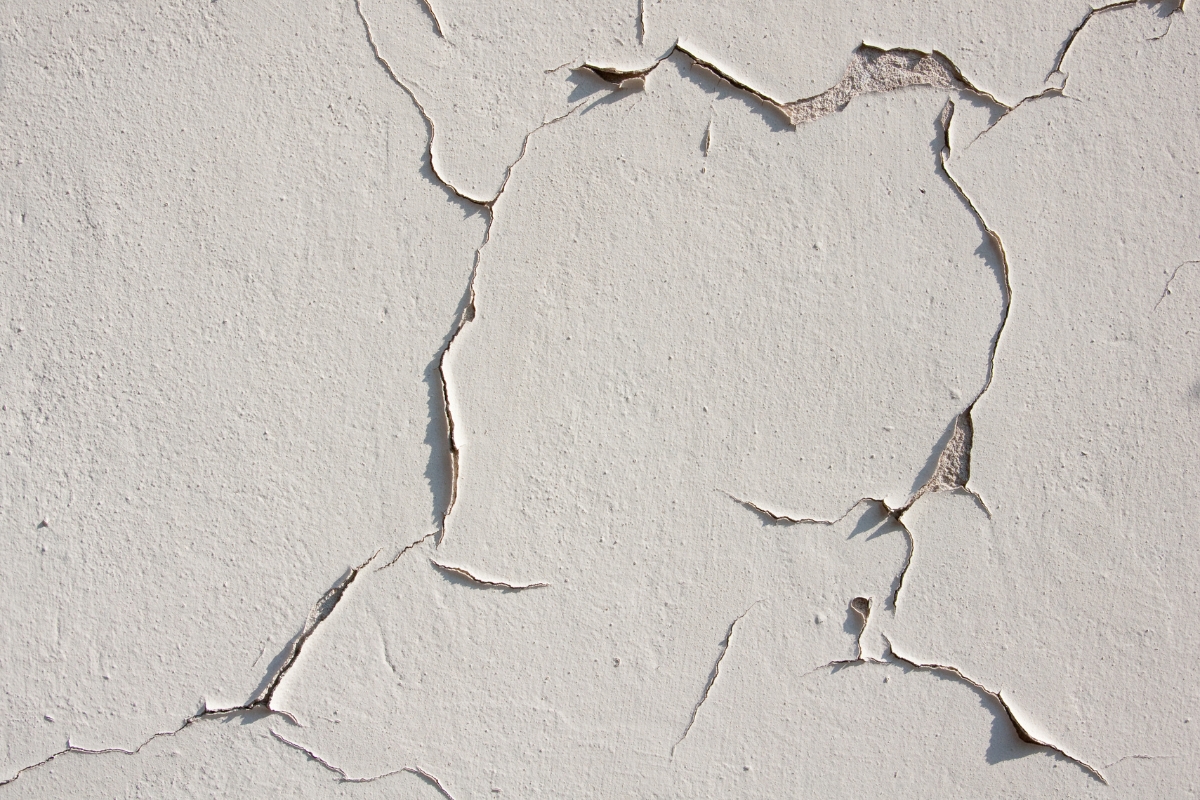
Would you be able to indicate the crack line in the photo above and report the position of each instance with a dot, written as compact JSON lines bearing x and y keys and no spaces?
{"x":894,"y":514}
{"x":206,"y":714}
{"x":319,"y":613}
{"x":1070,"y":40}
{"x":947,"y":118}
{"x":343,"y":777}
{"x":712,"y":678}
{"x":459,"y":572}
{"x":488,"y":205}
{"x":408,"y":547}
{"x":261,"y":704}
{"x":1022,"y":732}
{"x":1170,"y":280}
{"x":437,"y":25}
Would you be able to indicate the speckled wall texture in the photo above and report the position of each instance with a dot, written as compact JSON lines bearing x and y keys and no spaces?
{"x":625,"y":398}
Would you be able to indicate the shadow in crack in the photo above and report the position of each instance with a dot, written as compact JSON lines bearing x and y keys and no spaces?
{"x":873,"y":519}
{"x":712,"y":83}
{"x":585,"y":83}
{"x":283,"y":658}
{"x":439,"y":472}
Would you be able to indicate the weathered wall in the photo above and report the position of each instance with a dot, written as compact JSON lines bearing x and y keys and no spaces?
{"x":655,"y":398}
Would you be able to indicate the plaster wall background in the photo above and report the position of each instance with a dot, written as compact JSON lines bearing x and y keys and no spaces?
{"x":432,"y":399}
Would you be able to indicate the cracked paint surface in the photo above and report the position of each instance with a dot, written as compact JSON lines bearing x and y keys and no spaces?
{"x":429,"y":399}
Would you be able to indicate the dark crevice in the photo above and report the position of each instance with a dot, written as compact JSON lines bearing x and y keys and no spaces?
{"x":467,"y":310}
{"x":318,"y":614}
{"x":1070,"y":40}
{"x":437,"y":25}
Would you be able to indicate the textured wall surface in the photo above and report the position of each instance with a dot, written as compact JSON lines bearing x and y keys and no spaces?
{"x":630,"y":398}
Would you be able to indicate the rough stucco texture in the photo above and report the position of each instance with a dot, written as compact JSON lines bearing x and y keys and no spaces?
{"x":638,"y":398}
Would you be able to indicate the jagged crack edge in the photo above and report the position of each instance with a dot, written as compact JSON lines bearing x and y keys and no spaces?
{"x":947,"y":118}
{"x":429,"y":124}
{"x":206,"y":714}
{"x":437,"y":25}
{"x":482,"y":583}
{"x":1022,"y":732}
{"x":894,"y":514}
{"x":408,"y":547}
{"x":320,"y":612}
{"x":487,"y":204}
{"x":469,"y":312}
{"x":1074,"y":34}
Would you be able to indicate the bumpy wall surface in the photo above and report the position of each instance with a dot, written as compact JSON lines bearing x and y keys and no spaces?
{"x":623,"y":398}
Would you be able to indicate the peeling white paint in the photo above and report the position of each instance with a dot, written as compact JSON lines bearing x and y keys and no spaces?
{"x":663,"y":398}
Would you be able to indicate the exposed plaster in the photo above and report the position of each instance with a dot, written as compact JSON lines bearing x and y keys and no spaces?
{"x":871,"y":70}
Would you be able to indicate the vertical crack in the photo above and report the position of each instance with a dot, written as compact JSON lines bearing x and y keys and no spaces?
{"x":712,"y":678}
{"x":945,"y":121}
{"x":487,"y":205}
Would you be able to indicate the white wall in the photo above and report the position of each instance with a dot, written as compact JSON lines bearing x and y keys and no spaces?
{"x":423,"y":398}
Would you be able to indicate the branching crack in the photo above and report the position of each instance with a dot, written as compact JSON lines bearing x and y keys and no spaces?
{"x":343,"y":777}
{"x":712,"y":677}
{"x":894,"y":514}
{"x":261,"y":704}
{"x":481,"y":583}
{"x":488,"y":206}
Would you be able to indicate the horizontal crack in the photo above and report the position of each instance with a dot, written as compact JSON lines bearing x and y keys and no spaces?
{"x":459,"y":572}
{"x":343,"y":777}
